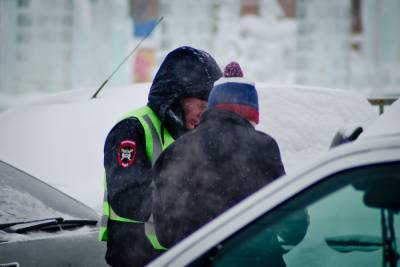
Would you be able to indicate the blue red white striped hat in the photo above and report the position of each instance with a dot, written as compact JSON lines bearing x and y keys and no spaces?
{"x":234,"y":93}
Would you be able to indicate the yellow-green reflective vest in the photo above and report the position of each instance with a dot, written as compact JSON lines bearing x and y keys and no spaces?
{"x":152,"y":131}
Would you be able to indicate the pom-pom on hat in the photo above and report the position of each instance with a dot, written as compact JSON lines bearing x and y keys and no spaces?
{"x":234,"y":93}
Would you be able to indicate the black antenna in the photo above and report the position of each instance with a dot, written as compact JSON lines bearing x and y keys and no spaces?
{"x":126,"y":58}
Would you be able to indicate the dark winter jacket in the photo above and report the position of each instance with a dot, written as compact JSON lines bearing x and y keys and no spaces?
{"x":184,"y":72}
{"x":208,"y":170}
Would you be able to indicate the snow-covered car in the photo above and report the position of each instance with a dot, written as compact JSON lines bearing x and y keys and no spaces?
{"x":60,"y":138}
{"x":351,"y":195}
{"x":41,"y":226}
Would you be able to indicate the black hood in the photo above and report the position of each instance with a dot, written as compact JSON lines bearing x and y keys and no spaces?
{"x":185,"y":72}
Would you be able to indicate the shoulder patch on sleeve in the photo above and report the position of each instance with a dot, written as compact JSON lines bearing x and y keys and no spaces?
{"x":126,"y":153}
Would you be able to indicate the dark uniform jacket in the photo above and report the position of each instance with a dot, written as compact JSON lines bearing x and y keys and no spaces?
{"x":208,"y":170}
{"x":185,"y":72}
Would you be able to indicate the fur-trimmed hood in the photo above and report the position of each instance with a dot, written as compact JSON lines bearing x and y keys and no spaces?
{"x":185,"y":72}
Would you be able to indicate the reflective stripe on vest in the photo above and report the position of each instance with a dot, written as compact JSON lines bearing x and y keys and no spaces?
{"x":152,"y":130}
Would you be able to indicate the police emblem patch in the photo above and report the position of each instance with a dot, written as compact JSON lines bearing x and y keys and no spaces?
{"x":126,"y":153}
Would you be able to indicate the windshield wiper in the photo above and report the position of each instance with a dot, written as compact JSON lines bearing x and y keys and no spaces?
{"x":6,"y":225}
{"x":49,"y":225}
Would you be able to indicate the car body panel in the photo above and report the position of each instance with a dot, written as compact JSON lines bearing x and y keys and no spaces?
{"x":66,"y":249}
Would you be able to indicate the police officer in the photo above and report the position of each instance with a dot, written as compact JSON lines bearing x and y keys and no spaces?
{"x":177,"y":98}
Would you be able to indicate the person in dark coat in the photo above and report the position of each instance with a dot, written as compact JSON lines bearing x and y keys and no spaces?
{"x":176,"y":101}
{"x":219,"y":163}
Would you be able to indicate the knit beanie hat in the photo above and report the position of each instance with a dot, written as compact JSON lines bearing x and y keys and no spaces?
{"x":234,"y":93}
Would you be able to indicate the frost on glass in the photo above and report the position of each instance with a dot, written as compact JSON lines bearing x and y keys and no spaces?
{"x":21,"y":206}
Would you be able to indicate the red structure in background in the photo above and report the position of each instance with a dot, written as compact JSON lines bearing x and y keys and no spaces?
{"x":143,"y":65}
{"x":144,"y":14}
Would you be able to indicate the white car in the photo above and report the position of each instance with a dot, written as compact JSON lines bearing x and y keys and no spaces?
{"x":351,"y":195}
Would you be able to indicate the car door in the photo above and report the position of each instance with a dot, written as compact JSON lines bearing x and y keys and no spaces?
{"x":353,"y":220}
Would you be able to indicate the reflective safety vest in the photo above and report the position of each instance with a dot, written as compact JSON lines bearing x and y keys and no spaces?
{"x":152,"y":131}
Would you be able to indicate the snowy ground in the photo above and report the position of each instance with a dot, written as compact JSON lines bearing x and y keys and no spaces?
{"x":60,"y":138}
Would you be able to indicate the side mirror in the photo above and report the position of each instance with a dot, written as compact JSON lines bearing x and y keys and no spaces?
{"x":346,"y":134}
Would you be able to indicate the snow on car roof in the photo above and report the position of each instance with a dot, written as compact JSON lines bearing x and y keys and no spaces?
{"x":60,"y":138}
{"x":387,"y":124}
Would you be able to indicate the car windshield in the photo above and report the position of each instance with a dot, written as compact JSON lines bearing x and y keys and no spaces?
{"x":25,"y":198}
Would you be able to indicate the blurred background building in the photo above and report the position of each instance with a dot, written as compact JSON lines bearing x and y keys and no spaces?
{"x":54,"y":45}
{"x":349,"y":44}
{"x":323,"y":43}
{"x":380,"y":46}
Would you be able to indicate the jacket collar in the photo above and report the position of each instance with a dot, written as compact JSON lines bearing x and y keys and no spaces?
{"x":225,"y":116}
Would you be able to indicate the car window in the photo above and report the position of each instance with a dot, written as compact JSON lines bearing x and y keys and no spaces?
{"x":342,"y":221}
{"x":23,"y":197}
